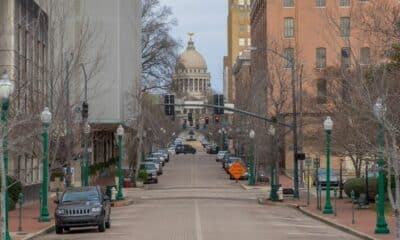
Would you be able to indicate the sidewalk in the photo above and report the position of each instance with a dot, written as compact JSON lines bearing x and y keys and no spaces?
{"x":365,"y":219}
{"x":30,"y":223}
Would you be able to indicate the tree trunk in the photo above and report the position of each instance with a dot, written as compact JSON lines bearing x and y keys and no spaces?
{"x":397,"y":215}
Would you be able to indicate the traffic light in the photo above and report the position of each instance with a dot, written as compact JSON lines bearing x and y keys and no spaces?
{"x":85,"y":110}
{"x":216,"y":119}
{"x":169,"y":107}
{"x":218,"y":101}
{"x":206,"y":120}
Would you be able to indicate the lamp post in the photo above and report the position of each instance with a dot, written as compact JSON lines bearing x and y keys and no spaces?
{"x":86,"y":132}
{"x":381,"y":225}
{"x":273,"y":194}
{"x":120,"y":133}
{"x":328,"y":125}
{"x":45,"y":117}
{"x":252,"y":134}
{"x":6,"y":89}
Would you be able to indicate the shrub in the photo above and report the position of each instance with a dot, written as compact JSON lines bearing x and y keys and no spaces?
{"x":13,"y":191}
{"x":142,"y":176}
{"x":358,"y":185}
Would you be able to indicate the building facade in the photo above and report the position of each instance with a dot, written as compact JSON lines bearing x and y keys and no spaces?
{"x":238,"y":36}
{"x":191,"y":82}
{"x":316,"y":36}
{"x":23,"y":54}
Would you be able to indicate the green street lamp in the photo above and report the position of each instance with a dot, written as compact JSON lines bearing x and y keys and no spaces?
{"x":45,"y":117}
{"x":381,"y":225}
{"x":252,"y":181}
{"x":120,"y":133}
{"x":274,"y":186}
{"x":222,"y":132}
{"x":6,"y":89}
{"x":85,"y":169}
{"x":328,"y":125}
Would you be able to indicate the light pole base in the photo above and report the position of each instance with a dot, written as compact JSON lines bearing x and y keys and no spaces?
{"x":328,"y":210}
{"x":120,"y":196}
{"x":381,"y":228}
{"x":44,"y":219}
{"x":274,"y":195}
{"x":8,"y":237}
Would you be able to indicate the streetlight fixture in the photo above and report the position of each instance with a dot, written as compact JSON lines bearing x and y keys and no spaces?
{"x":120,"y":133}
{"x":252,"y":134}
{"x":381,"y":225}
{"x":328,"y":125}
{"x":86,"y":131}
{"x":6,"y":89}
{"x":45,"y":117}
{"x":274,"y":186}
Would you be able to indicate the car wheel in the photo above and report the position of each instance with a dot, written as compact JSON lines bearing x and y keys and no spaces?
{"x":102,"y":226}
{"x":108,"y":223}
{"x":59,"y":230}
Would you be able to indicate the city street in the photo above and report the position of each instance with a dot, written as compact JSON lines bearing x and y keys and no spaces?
{"x":195,"y":199}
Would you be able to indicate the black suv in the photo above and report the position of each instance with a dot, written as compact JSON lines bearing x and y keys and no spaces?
{"x":82,"y":207}
{"x":185,"y":148}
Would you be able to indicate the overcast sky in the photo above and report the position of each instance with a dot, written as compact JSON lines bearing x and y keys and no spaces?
{"x":207,"y":19}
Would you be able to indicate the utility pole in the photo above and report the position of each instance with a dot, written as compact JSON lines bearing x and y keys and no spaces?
{"x":3,"y":195}
{"x":68,"y":125}
{"x":300,"y":96}
{"x":86,"y":132}
{"x":294,"y":128}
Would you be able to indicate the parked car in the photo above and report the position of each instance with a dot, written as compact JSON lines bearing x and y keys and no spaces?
{"x":262,"y":176}
{"x":191,"y":138}
{"x":213,"y":149}
{"x":171,"y":150}
{"x":157,"y":163}
{"x":185,"y":148}
{"x":82,"y":207}
{"x":220,"y":156}
{"x":321,"y":177}
{"x":151,"y":170}
{"x":158,"y":155}
{"x":165,"y":153}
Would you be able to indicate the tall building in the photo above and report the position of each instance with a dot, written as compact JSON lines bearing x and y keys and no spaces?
{"x":238,"y":40}
{"x":191,"y":82}
{"x":314,"y":35}
{"x":23,"y":54}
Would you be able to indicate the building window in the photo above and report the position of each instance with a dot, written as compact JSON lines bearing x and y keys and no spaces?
{"x":289,"y":56}
{"x":344,"y":3}
{"x":320,"y":3}
{"x":321,"y":58}
{"x":321,"y":91}
{"x":289,"y":27}
{"x":241,"y":2}
{"x":242,"y":41}
{"x":288,"y":3}
{"x":345,"y":27}
{"x":345,"y":61}
{"x":364,"y":56}
{"x":248,"y":28}
{"x":249,"y":42}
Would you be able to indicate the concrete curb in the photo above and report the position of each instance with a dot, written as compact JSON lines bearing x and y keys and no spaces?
{"x":331,"y":223}
{"x":123,"y":203}
{"x":246,"y":187}
{"x":44,"y":231}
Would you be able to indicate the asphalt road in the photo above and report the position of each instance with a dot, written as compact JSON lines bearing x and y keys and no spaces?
{"x":195,"y":200}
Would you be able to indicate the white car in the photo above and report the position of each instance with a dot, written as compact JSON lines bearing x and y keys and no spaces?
{"x":171,"y":150}
{"x":220,"y":156}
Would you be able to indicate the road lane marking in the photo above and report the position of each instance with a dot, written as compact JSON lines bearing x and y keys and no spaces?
{"x":198,"y":223}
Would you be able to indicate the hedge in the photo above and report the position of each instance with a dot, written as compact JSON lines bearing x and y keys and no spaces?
{"x":13,"y":191}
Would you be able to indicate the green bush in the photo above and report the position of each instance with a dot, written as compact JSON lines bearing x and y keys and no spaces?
{"x":142,"y":176}
{"x":13,"y":191}
{"x":358,"y":185}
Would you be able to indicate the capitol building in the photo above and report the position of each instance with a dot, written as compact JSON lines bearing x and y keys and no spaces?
{"x":191,"y":82}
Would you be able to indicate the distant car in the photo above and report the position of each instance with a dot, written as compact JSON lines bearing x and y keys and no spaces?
{"x":213,"y":149}
{"x":171,"y":150}
{"x":160,"y":156}
{"x":220,"y":156}
{"x":151,"y":170}
{"x":157,"y":163}
{"x":262,"y":175}
{"x":321,"y":177}
{"x":191,"y":138}
{"x":82,"y":207}
{"x":185,"y":148}
{"x":165,"y":153}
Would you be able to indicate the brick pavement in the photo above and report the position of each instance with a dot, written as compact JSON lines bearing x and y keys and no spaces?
{"x":30,"y":223}
{"x":365,"y":219}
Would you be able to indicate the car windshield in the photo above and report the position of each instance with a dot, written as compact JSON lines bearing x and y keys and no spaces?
{"x":85,"y":196}
{"x":148,"y":166}
{"x":322,"y":171}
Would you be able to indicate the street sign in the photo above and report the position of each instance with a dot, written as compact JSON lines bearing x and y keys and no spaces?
{"x":237,"y":170}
